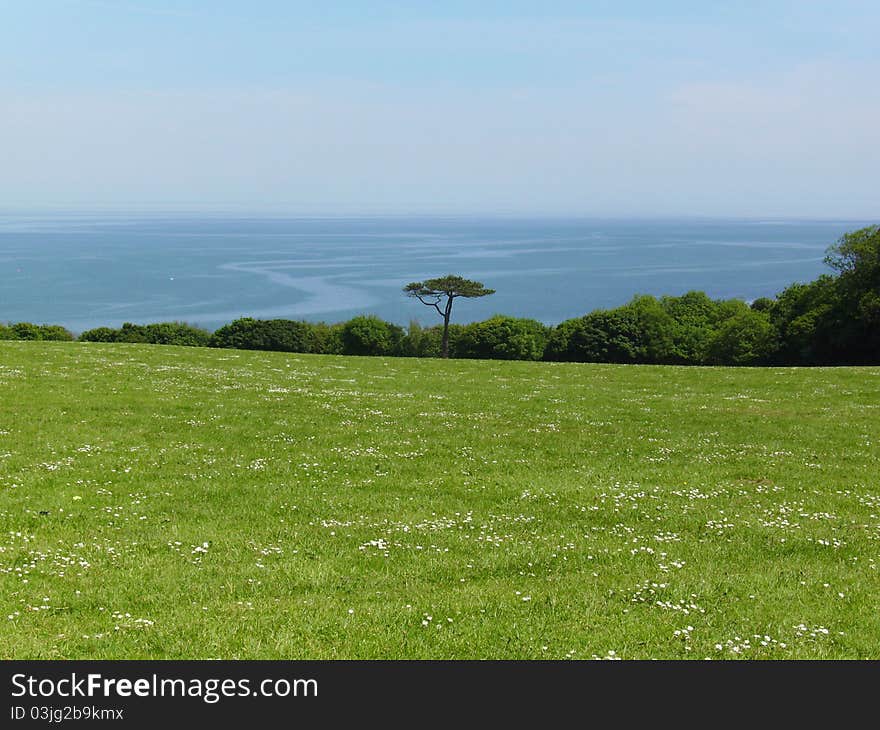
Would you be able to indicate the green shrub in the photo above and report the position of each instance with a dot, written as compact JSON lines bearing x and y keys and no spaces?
{"x":160,"y":333}
{"x":56,"y":333}
{"x":696,"y":317}
{"x":26,"y":331}
{"x":502,"y":338}
{"x":100,"y":334}
{"x":559,"y":340}
{"x":133,"y":333}
{"x":370,"y":335}
{"x":177,"y":333}
{"x":422,"y":341}
{"x":30,"y":331}
{"x":805,"y":323}
{"x":639,"y":332}
{"x":280,"y":335}
{"x":747,"y":338}
{"x":327,"y":338}
{"x":762,"y":304}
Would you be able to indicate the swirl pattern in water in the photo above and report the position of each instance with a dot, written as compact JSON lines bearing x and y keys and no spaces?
{"x":87,"y":271}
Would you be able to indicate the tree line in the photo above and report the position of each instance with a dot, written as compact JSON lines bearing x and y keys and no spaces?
{"x":833,"y":320}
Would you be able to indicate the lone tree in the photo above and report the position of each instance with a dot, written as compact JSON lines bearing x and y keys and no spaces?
{"x":433,"y":292}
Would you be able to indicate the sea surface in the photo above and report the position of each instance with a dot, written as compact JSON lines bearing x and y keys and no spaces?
{"x":84,"y":271}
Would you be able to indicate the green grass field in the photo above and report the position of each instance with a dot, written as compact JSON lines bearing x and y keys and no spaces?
{"x":161,"y":502}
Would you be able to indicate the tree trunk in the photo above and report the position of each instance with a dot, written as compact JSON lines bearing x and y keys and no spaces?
{"x":444,"y":345}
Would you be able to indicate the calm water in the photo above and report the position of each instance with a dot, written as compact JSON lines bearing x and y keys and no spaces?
{"x":83,"y":271}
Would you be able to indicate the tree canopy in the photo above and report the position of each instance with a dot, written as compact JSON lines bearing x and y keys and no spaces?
{"x":449,"y":286}
{"x":433,"y":292}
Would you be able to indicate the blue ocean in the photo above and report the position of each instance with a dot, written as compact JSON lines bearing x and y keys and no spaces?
{"x":85,"y":271}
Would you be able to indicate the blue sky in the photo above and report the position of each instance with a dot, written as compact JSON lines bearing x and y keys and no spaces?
{"x":758,"y":109}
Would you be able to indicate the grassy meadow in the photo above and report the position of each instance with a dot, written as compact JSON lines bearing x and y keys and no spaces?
{"x":161,"y":502}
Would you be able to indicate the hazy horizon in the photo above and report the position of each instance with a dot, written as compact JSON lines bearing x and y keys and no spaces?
{"x":133,"y":210}
{"x":612,"y":111}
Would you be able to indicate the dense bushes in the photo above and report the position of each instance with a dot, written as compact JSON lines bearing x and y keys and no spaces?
{"x":832,"y":320}
{"x":281,"y":335}
{"x":746,"y":338}
{"x":688,"y":330}
{"x":696,"y":319}
{"x":803,"y":317}
{"x":671,"y":330}
{"x":501,"y":338}
{"x":692,"y":329}
{"x":28,"y":331}
{"x":162,"y":333}
{"x":371,"y":336}
{"x":602,"y":336}
{"x":426,"y":341}
{"x":358,"y":336}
